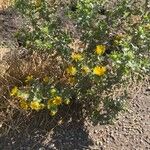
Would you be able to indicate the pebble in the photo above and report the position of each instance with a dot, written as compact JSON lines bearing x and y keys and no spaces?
{"x":96,"y":131}
{"x":148,"y":89}
{"x":51,"y":146}
{"x":98,"y":143}
{"x":41,"y":148}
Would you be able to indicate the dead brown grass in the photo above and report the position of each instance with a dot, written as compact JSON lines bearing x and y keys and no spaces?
{"x":38,"y":65}
{"x":5,"y":4}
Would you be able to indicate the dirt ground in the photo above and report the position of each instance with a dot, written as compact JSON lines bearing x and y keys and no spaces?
{"x":131,"y":130}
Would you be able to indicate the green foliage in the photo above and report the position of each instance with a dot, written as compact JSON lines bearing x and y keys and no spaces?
{"x":43,"y":28}
{"x":108,"y":57}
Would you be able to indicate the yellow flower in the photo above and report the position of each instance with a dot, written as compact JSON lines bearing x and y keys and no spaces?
{"x":85,"y":69}
{"x":57,"y":100}
{"x":100,"y":49}
{"x":71,"y":70}
{"x":99,"y":70}
{"x":76,"y":57}
{"x":35,"y":105}
{"x":29,"y":78}
{"x":46,"y":79}
{"x":14,"y":91}
{"x":24,"y":104}
{"x":71,"y":80}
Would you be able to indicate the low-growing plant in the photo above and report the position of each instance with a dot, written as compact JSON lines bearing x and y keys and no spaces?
{"x":105,"y":58}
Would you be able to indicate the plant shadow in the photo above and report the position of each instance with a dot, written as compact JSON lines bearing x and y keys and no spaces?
{"x":110,"y":111}
{"x":38,"y":130}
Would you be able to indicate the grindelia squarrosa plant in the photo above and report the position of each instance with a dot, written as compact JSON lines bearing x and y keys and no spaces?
{"x":113,"y":47}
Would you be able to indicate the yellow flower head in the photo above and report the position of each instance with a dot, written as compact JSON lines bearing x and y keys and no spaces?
{"x":99,"y":70}
{"x":71,"y":70}
{"x":29,"y":78}
{"x":14,"y":91}
{"x":100,"y":49}
{"x":76,"y":57}
{"x":57,"y":100}
{"x":24,"y":105}
{"x":35,"y":105}
{"x":46,"y":79}
{"x":85,"y":69}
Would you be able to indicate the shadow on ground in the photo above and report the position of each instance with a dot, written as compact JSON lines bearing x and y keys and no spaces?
{"x":40,"y":131}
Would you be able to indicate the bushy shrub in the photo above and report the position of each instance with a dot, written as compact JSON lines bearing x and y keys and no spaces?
{"x":113,"y":47}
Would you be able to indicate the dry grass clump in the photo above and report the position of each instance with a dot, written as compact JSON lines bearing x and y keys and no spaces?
{"x":5,"y":4}
{"x":38,"y":65}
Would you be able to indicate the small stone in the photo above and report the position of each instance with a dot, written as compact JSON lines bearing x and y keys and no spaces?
{"x":51,"y":146}
{"x":98,"y":143}
{"x":41,"y":148}
{"x":148,"y":89}
{"x":95,"y":131}
{"x":1,"y":124}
